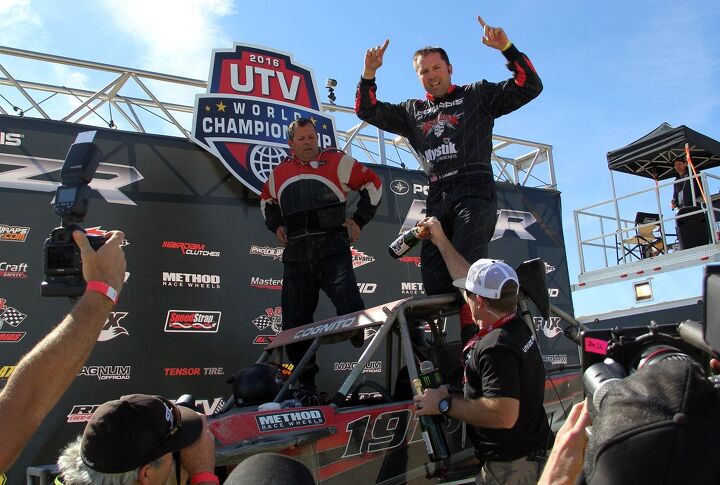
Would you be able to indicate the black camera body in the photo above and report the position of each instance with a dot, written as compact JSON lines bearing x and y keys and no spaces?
{"x":61,"y":255}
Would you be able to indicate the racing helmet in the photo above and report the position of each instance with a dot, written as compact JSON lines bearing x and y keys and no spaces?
{"x":257,"y":384}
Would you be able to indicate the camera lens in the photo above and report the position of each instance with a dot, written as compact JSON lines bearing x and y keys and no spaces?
{"x":656,"y":353}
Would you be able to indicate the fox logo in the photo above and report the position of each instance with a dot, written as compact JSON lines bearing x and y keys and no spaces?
{"x":112,"y":327}
{"x":551,"y":328}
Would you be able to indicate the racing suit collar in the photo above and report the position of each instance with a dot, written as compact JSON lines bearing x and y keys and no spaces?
{"x":451,"y":88}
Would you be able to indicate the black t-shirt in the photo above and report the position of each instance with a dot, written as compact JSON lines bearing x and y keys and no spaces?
{"x":507,"y":363}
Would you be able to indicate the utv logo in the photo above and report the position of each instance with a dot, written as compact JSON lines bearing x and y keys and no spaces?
{"x":112,"y":327}
{"x":192,"y":321}
{"x":272,"y":319}
{"x":367,"y":288}
{"x":190,"y":249}
{"x":253,"y":94}
{"x":11,"y":139}
{"x":33,"y":173}
{"x":411,"y":288}
{"x":551,"y":328}
{"x":372,"y":367}
{"x":10,"y":317}
{"x":268,"y":252}
{"x":15,"y":271}
{"x":191,"y":280}
{"x":289,"y":420}
{"x":359,"y":258}
{"x":107,"y":372}
{"x":411,"y":259}
{"x":266,"y":283}
{"x":13,"y":233}
{"x":209,"y":407}
{"x":399,"y":187}
{"x":98,"y":231}
{"x":82,"y":413}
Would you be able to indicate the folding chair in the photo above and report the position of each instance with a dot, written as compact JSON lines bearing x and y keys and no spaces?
{"x":646,"y":243}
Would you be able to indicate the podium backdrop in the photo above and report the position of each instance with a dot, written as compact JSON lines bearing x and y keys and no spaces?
{"x":196,"y":244}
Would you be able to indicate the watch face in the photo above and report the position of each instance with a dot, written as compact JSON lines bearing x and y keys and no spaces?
{"x":444,"y":405}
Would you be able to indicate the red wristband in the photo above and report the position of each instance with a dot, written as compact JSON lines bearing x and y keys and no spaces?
{"x":203,"y":477}
{"x":103,"y":288}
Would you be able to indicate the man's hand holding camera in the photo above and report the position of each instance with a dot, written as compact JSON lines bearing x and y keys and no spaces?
{"x":107,"y":264}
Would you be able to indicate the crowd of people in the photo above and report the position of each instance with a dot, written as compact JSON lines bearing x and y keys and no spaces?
{"x":149,"y":439}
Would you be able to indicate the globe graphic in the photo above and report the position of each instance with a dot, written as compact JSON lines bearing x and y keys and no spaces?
{"x":264,"y":158}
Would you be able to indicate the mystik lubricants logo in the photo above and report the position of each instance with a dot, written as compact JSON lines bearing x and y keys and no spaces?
{"x":10,"y":318}
{"x":272,"y":319}
{"x":254,"y":93}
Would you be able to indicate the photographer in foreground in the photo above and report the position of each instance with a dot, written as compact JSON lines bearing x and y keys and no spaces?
{"x":42,"y":376}
{"x":660,"y":425}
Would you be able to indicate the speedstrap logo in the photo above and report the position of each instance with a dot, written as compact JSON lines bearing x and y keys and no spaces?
{"x":192,"y":321}
{"x":288,"y":420}
{"x":253,"y":95}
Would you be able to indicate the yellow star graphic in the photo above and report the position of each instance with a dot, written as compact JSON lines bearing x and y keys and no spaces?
{"x":207,"y":108}
{"x":312,"y":118}
{"x":324,"y":126}
{"x":221,"y":106}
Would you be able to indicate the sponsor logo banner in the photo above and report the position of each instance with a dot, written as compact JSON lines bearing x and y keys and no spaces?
{"x":555,"y":359}
{"x":10,"y":317}
{"x":106,"y":372}
{"x":112,"y":327}
{"x":11,"y":139}
{"x":272,"y":319}
{"x":551,"y":328}
{"x":15,"y":271}
{"x":411,"y":259}
{"x":190,"y":249}
{"x":6,"y":371}
{"x":191,"y":280}
{"x":210,"y":406}
{"x":192,"y":321}
{"x":193,"y":371}
{"x":399,"y":187}
{"x":289,"y":420}
{"x":412,"y":288}
{"x":266,"y":283}
{"x":359,"y":258}
{"x":253,"y":95}
{"x":81,"y":413}
{"x":372,"y":367}
{"x":367,"y":288}
{"x":268,"y":252}
{"x":13,"y":233}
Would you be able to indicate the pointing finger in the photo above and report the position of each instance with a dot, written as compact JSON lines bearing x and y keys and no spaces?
{"x":482,"y":22}
{"x":385,"y":45}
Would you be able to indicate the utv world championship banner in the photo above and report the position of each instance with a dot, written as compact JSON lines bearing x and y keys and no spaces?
{"x":254,"y":93}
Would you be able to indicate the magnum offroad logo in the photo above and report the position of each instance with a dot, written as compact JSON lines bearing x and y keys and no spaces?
{"x":190,"y":249}
{"x":266,"y":283}
{"x":33,"y":172}
{"x":106,"y":372}
{"x":374,"y":366}
{"x":359,"y":258}
{"x":191,"y":280}
{"x":13,"y":233}
{"x":15,"y":271}
{"x":288,"y":420}
{"x":81,"y":413}
{"x":10,"y":318}
{"x":268,"y":252}
{"x":192,"y":321}
{"x":254,"y":93}
{"x":112,"y":327}
{"x":272,"y":319}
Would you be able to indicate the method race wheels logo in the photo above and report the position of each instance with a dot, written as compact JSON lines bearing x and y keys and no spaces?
{"x":192,"y":321}
{"x":254,"y":93}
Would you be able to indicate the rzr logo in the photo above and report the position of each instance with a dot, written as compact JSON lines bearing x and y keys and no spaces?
{"x":359,"y":258}
{"x":112,"y":327}
{"x":114,"y":177}
{"x":253,"y":95}
{"x":192,"y":321}
{"x":551,"y":328}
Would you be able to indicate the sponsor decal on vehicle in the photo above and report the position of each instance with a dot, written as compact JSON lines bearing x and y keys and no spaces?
{"x":81,"y":413}
{"x":107,"y":372}
{"x":359,"y":258}
{"x":411,"y":288}
{"x":190,"y":249}
{"x":112,"y":327}
{"x":11,"y":139}
{"x":269,"y":252}
{"x":372,"y":367}
{"x":399,"y":187}
{"x":266,"y":283}
{"x":10,"y":317}
{"x":15,"y":271}
{"x":13,"y":233}
{"x":191,"y":280}
{"x":192,"y":321}
{"x":210,"y":406}
{"x":193,"y":371}
{"x":289,"y":420}
{"x":331,"y":326}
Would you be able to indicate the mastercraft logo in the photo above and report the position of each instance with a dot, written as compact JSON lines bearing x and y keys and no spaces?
{"x":15,"y":271}
{"x":266,"y":283}
{"x":254,"y":93}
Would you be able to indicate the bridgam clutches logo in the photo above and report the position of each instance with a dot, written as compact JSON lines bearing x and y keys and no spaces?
{"x":13,"y":233}
{"x":190,"y":249}
{"x":268,"y":252}
{"x":253,"y":95}
{"x":289,"y":420}
{"x":10,"y":317}
{"x":107,"y":372}
{"x":191,"y":280}
{"x":192,"y":321}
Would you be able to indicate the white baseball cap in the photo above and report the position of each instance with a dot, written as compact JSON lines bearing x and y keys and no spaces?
{"x":486,"y":277}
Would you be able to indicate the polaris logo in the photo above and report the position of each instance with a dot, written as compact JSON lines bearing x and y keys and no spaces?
{"x":11,"y":139}
{"x":191,"y":280}
{"x":296,"y":419}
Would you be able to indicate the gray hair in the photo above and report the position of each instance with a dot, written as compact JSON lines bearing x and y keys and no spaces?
{"x":74,"y":471}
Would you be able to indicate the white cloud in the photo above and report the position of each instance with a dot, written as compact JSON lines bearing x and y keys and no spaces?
{"x":17,"y":21}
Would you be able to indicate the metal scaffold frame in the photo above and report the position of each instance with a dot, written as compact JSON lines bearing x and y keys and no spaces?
{"x":133,"y":94}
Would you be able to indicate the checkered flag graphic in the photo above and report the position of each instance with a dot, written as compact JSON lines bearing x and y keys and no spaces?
{"x":12,"y":317}
{"x":262,"y":322}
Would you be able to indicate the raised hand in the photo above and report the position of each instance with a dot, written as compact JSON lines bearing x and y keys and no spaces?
{"x":374,"y":59}
{"x":494,"y":37}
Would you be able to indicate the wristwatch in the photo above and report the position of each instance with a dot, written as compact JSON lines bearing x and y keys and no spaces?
{"x":444,"y":405}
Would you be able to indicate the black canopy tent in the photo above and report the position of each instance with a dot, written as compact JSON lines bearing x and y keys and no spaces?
{"x":652,"y":155}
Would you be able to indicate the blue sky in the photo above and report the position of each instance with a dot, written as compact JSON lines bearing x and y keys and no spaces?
{"x":612,"y":71}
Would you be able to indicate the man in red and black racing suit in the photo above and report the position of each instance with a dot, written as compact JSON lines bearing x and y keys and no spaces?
{"x":303,"y":203}
{"x":452,"y":131}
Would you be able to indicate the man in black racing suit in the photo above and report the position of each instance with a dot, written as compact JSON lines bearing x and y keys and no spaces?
{"x":452,"y":131}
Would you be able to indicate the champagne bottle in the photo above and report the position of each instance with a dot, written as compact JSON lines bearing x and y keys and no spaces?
{"x":405,"y":242}
{"x":431,"y":426}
